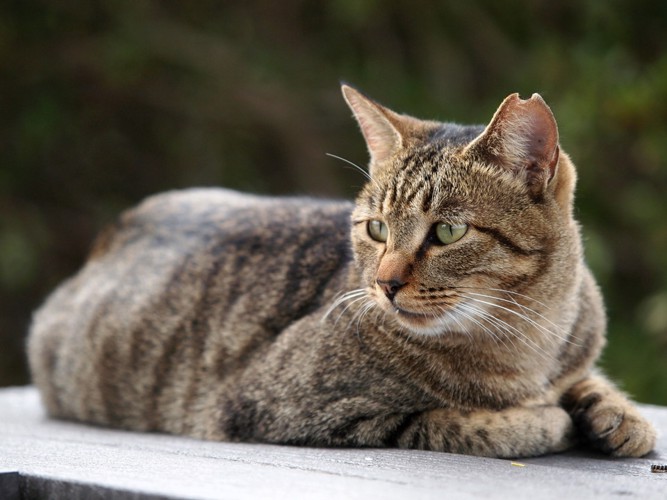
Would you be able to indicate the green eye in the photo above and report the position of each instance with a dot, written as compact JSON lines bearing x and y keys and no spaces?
{"x":449,"y":233}
{"x":377,"y":230}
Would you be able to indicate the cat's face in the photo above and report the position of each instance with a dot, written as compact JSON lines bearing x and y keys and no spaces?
{"x":452,"y":231}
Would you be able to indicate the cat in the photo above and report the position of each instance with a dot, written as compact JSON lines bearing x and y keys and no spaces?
{"x":449,"y":308}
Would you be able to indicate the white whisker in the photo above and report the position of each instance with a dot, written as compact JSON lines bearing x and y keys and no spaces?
{"x":355,"y":167}
{"x":352,"y":294}
{"x":515,"y":333}
{"x":359,"y":314}
{"x":528,"y":310}
{"x":452,"y":314}
{"x":348,"y":306}
{"x":469,"y":313}
{"x":521,"y":316}
{"x":508,"y":292}
{"x":364,"y":310}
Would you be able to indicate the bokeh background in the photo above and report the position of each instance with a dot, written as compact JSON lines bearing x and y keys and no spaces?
{"x":105,"y":102}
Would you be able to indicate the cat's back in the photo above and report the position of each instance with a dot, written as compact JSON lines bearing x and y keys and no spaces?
{"x":170,"y":293}
{"x":188,"y":218}
{"x":204,"y":235}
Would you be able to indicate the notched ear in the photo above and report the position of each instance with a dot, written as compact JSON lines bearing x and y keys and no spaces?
{"x":384,"y":130}
{"x":523,"y":138}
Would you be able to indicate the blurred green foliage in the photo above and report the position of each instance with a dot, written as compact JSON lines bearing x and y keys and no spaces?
{"x":103,"y":103}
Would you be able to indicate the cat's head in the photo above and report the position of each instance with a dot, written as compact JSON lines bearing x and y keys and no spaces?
{"x":459,"y":225}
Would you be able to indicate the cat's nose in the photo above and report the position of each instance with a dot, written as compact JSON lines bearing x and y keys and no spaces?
{"x":390,"y":287}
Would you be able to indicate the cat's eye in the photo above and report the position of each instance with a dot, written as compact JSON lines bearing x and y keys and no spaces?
{"x":378,"y":230}
{"x":449,"y":233}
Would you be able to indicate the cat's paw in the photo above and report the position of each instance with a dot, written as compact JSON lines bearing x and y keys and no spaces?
{"x":560,"y":429}
{"x":613,"y":425}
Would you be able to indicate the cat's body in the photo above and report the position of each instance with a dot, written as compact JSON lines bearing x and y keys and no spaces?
{"x":236,"y":317}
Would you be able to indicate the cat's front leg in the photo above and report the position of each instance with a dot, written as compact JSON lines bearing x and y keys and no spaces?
{"x":608,"y":420}
{"x":509,"y":433}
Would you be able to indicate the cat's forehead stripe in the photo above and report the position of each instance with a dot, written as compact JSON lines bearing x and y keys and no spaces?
{"x":414,"y":183}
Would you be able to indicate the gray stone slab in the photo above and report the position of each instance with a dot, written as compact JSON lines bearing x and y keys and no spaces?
{"x":53,"y":459}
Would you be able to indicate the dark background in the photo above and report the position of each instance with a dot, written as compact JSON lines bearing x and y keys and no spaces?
{"x":103,"y":103}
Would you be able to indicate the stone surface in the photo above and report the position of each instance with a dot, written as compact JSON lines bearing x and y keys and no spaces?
{"x":43,"y":458}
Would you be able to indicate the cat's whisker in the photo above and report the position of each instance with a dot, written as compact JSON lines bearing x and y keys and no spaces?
{"x":512,"y":299}
{"x":469,"y":317}
{"x":542,"y":328}
{"x":348,"y":306}
{"x":469,"y":313}
{"x":526,"y":309}
{"x":504,"y":330}
{"x":508,"y":292}
{"x":515,"y":313}
{"x":458,"y":327}
{"x":355,"y":167}
{"x":510,"y":332}
{"x":441,"y":319}
{"x":471,"y":309}
{"x":566,"y":337}
{"x":514,"y":332}
{"x":359,"y":314}
{"x":342,"y":297}
{"x":452,"y":315}
{"x":352,"y":294}
{"x":364,"y":310}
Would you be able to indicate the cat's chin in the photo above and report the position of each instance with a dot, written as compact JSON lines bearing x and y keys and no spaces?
{"x":424,"y":324}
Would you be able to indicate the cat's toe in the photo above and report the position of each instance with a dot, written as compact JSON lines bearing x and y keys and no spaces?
{"x":618,"y":430}
{"x":634,"y":437}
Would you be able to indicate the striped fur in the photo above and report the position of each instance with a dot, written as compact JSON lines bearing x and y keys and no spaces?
{"x":241,"y":318}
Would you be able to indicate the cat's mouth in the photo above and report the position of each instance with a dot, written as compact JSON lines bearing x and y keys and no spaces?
{"x":419,"y":322}
{"x":413,"y":315}
{"x":431,"y":321}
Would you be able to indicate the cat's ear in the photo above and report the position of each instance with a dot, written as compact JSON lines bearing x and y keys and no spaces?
{"x":523,"y":138}
{"x":384,"y":130}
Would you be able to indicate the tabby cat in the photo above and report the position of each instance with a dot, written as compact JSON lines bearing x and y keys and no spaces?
{"x":448,"y":309}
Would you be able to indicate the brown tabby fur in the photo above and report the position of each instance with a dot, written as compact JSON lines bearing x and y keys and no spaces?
{"x":242,"y":318}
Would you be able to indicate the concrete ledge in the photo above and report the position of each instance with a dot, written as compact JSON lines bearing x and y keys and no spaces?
{"x":42,"y":458}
